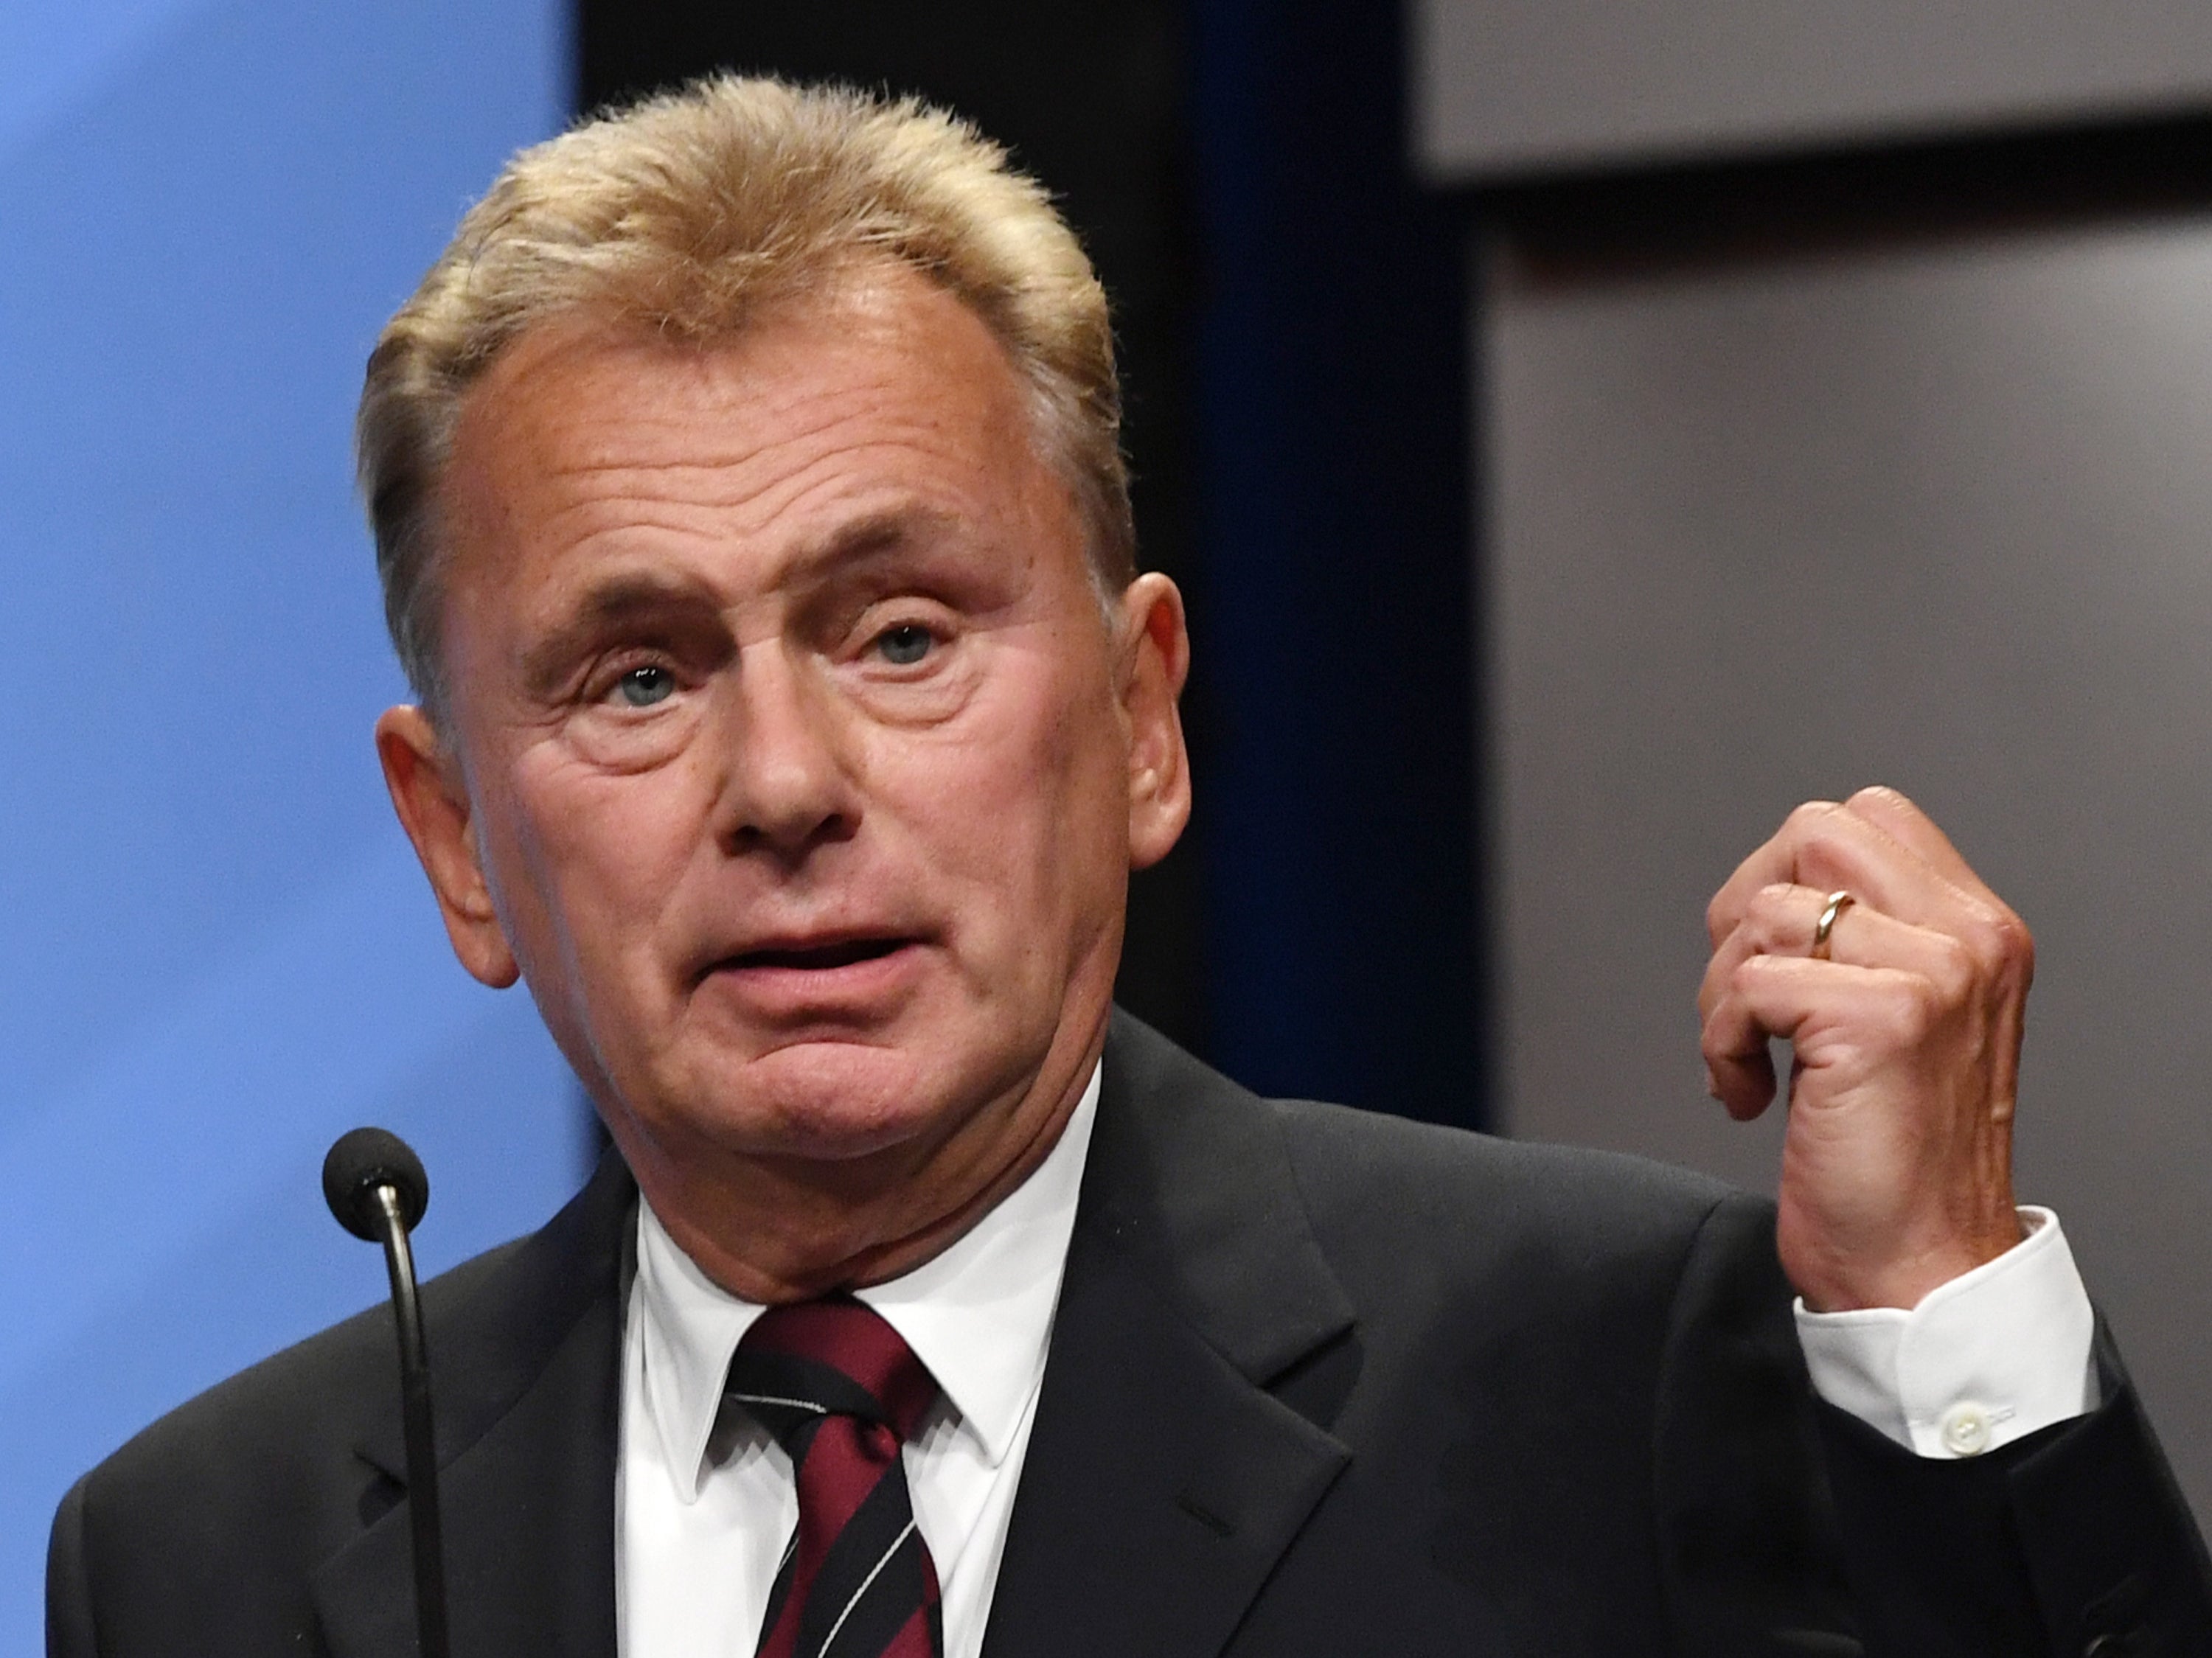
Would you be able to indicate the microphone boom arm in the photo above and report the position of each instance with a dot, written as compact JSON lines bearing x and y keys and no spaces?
{"x":430,"y":1552}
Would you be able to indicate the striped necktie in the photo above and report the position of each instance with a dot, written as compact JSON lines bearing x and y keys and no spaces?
{"x":841,"y":1393}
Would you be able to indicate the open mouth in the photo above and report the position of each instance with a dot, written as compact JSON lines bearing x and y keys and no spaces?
{"x":845,"y":952}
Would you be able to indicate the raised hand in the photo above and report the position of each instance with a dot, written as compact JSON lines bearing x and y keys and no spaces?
{"x":1897,"y":1167}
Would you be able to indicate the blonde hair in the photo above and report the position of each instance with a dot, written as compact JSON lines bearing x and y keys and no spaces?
{"x":689,"y":213}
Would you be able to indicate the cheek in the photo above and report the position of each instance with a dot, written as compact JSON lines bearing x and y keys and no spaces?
{"x":593,"y":856}
{"x":1029,"y":800}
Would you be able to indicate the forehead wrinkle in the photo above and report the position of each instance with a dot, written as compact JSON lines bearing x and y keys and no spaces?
{"x":798,"y":412}
{"x":691,"y":482}
{"x":627,"y":592}
{"x":870,"y":537}
{"x":576,"y":525}
{"x":717,"y":394}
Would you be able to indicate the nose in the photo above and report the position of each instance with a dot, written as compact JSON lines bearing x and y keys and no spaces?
{"x":787,"y":788}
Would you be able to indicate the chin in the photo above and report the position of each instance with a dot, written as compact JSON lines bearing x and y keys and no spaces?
{"x":832,"y":1100}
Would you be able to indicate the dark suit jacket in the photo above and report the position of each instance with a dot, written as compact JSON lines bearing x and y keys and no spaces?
{"x":1320,"y":1382}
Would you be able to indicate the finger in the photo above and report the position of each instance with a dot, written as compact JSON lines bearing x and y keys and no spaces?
{"x":1991,"y":931}
{"x":1905,"y":822}
{"x":1736,"y":1025}
{"x":1823,"y":845}
{"x":1843,"y":850}
{"x":1739,"y":1072}
{"x":1829,"y":1010}
{"x":1832,"y":1013}
{"x":1783,"y":920}
{"x":1774,"y":864}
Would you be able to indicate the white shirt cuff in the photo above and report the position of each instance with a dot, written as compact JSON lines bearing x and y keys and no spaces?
{"x":1991,"y":1357}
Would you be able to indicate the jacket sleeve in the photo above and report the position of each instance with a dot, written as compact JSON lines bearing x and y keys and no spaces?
{"x":2074,"y":1540}
{"x":1785,"y":1522}
{"x":69,"y":1590}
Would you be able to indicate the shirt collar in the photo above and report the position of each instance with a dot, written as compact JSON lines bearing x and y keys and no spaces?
{"x":979,"y":1314}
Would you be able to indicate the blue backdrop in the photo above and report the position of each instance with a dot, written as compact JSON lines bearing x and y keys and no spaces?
{"x":215,"y":952}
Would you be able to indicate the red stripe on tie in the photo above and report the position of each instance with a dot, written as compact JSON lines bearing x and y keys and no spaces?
{"x":847,"y":1462}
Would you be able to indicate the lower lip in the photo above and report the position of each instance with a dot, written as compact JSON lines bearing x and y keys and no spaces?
{"x":856,"y":987}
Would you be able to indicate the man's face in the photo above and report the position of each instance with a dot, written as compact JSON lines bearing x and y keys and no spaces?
{"x":790,"y":758}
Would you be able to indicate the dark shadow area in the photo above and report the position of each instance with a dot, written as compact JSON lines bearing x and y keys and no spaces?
{"x":1344,"y":913}
{"x":1645,"y":221}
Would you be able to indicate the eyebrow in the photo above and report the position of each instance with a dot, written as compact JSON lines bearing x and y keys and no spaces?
{"x":872,"y":536}
{"x":631,"y":597}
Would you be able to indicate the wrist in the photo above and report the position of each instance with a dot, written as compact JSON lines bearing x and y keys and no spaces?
{"x":1903,"y":1276}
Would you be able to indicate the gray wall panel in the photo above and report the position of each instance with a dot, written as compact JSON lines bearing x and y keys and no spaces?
{"x":1503,"y":87}
{"x":1934,"y":518}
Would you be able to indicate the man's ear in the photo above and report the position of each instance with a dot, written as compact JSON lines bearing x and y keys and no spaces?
{"x":432,"y":803}
{"x":1156,"y":661}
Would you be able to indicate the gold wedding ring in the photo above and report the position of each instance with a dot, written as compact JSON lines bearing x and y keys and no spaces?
{"x":1825,"y":927}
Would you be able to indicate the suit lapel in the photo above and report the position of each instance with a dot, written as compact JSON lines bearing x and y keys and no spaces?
{"x":1162,"y":1479}
{"x":526,"y":1363}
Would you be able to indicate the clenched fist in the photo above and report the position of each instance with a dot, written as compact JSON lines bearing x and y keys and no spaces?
{"x":1897,"y":1167}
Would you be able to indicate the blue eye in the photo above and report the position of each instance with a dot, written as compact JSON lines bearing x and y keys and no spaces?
{"x":905,"y":645}
{"x":643,"y":687}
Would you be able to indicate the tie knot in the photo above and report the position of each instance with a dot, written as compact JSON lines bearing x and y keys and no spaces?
{"x":802,"y":1363}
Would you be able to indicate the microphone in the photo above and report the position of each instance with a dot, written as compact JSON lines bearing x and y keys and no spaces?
{"x":375,"y":1186}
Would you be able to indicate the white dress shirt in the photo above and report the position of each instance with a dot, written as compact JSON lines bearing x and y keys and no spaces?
{"x":702,"y":1516}
{"x":704,"y":1506}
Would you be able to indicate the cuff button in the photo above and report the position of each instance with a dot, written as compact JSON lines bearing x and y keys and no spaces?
{"x":1966,"y":1430}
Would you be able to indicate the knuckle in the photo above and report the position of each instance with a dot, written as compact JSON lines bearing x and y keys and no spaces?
{"x":1956,"y":967}
{"x":1805,"y":819}
{"x":1768,"y":911}
{"x":1999,"y":943}
{"x":1881,"y":794}
{"x":1710,"y":990}
{"x":1718,"y":1036}
{"x":1825,"y":838}
{"x":2015,"y":942}
{"x":1911,"y":1009}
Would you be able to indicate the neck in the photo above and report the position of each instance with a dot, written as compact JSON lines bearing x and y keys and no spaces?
{"x":779,"y":1230}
